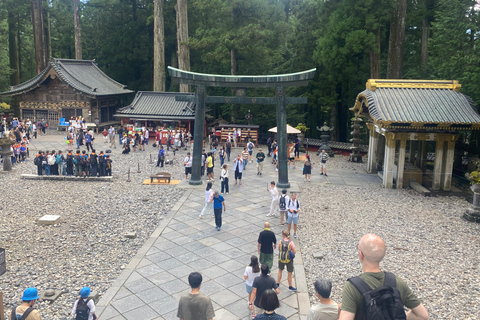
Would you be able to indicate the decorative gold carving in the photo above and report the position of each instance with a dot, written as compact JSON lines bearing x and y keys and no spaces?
{"x":54,"y":105}
{"x":373,"y":84}
{"x":390,"y":136}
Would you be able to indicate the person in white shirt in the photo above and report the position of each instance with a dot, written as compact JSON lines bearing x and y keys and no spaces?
{"x":274,"y":193}
{"x":251,"y":272}
{"x":146,"y":135}
{"x":293,"y":208}
{"x":239,"y":135}
{"x":235,"y":137}
{"x":80,"y":304}
{"x":188,"y":165}
{"x":224,"y":178}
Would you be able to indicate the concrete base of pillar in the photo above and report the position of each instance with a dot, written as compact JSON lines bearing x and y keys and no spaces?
{"x":472,"y":215}
{"x":283,"y":185}
{"x":195,"y":182}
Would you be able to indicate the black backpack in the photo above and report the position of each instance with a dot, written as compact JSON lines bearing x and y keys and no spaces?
{"x":24,"y":315}
{"x":282,"y":203}
{"x":93,"y":159}
{"x":83,"y":311}
{"x":70,"y":159}
{"x":101,"y":159}
{"x":383,"y":303}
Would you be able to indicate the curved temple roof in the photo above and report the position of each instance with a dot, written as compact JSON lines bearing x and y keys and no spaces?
{"x":215,"y":80}
{"x":81,"y":75}
{"x":400,"y":103}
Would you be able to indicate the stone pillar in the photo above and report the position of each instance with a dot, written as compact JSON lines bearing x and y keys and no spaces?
{"x":390,"y":146}
{"x":401,"y":163}
{"x":473,"y":213}
{"x":196,"y":178}
{"x":372,"y":149}
{"x":448,"y":158}
{"x":282,"y":137}
{"x":438,"y":165}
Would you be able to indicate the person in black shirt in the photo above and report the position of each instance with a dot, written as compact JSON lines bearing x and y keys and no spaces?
{"x":260,"y":285}
{"x":266,"y":243}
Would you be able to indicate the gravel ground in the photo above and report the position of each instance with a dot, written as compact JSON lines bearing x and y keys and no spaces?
{"x":88,"y":247}
{"x":429,"y":245}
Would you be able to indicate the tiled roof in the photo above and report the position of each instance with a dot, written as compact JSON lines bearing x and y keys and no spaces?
{"x":81,"y":75}
{"x":158,"y":105}
{"x":419,"y":105}
{"x":334,"y":144}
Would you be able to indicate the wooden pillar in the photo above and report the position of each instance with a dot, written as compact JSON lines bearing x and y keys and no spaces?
{"x":448,"y":159}
{"x":380,"y":152}
{"x":438,"y":165}
{"x":401,"y":163}
{"x":390,"y":145}
{"x":372,"y":149}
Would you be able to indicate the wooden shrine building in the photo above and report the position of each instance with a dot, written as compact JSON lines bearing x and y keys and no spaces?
{"x":425,"y":115}
{"x":159,"y":109}
{"x":69,"y":88}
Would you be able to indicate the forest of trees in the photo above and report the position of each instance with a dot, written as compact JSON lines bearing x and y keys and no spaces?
{"x":348,"y":41}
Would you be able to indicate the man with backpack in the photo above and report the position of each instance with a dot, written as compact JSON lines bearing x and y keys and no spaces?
{"x":282,"y":206}
{"x":293,"y":209}
{"x":84,"y":307}
{"x":25,"y":311}
{"x":376,"y":294}
{"x":285,"y":258}
{"x":93,"y":163}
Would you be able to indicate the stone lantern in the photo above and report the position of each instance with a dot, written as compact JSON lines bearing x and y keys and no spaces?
{"x":5,"y":144}
{"x":325,"y":137}
{"x":355,"y":155}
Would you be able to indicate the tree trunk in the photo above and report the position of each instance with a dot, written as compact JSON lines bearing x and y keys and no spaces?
{"x":48,"y":38}
{"x":424,"y":54}
{"x":134,"y":10}
{"x":287,"y":10}
{"x":78,"y":30}
{"x":397,"y":40}
{"x":39,"y":35}
{"x":375,"y":57}
{"x":233,"y":62}
{"x":158,"y":47}
{"x":182,"y":40}
{"x":13,"y":50}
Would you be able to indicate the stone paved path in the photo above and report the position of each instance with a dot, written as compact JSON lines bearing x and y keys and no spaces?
{"x":152,"y":283}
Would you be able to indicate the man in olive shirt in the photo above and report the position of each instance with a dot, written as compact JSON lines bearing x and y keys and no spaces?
{"x":371,"y":250}
{"x":195,"y":306}
{"x":260,"y":157}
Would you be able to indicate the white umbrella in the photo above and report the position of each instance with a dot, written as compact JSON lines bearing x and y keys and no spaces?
{"x":290,"y":129}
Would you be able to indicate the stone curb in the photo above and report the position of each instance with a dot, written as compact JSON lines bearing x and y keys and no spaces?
{"x":122,"y":278}
{"x":65,"y":178}
{"x":301,"y":282}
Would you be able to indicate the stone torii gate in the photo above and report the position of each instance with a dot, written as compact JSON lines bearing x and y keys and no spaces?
{"x":279,"y":82}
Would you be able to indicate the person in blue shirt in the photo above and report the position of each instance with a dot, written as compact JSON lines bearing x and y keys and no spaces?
{"x":88,"y":141}
{"x":218,"y":204}
{"x":161,"y":157}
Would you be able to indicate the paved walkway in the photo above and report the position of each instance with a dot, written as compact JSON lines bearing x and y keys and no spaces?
{"x":154,"y":280}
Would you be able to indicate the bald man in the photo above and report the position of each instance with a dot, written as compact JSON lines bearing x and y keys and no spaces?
{"x":266,"y":243}
{"x":371,"y":250}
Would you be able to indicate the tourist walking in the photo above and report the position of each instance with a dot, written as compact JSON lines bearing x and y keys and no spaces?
{"x":235,"y":137}
{"x":222,"y":155}
{"x":269,"y":146}
{"x":161,"y":157}
{"x":323,"y":162}
{"x":84,"y":307}
{"x":224,"y":179}
{"x":266,"y":243}
{"x":371,"y":251}
{"x":208,"y":199}
{"x":261,"y":284}
{"x":260,"y":158}
{"x":274,"y":194}
{"x":250,"y":147}
{"x":228,"y":149}
{"x":88,"y":141}
{"x":297,"y":147}
{"x":251,"y":272}
{"x":285,"y":258}
{"x":327,"y":309}
{"x":307,"y":168}
{"x":245,"y":157}
{"x":238,"y":169}
{"x":293,"y":208}
{"x":194,"y":305}
{"x":218,"y":204}
{"x":187,"y":162}
{"x":105,"y":135}
{"x":209,"y":164}
{"x":26,"y":311}
{"x":291,"y":157}
{"x":120,"y":135}
{"x":282,"y":206}
{"x":269,"y":302}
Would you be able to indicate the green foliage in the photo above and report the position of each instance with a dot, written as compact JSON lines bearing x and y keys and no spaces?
{"x":474,"y":176}
{"x":302,"y":127}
